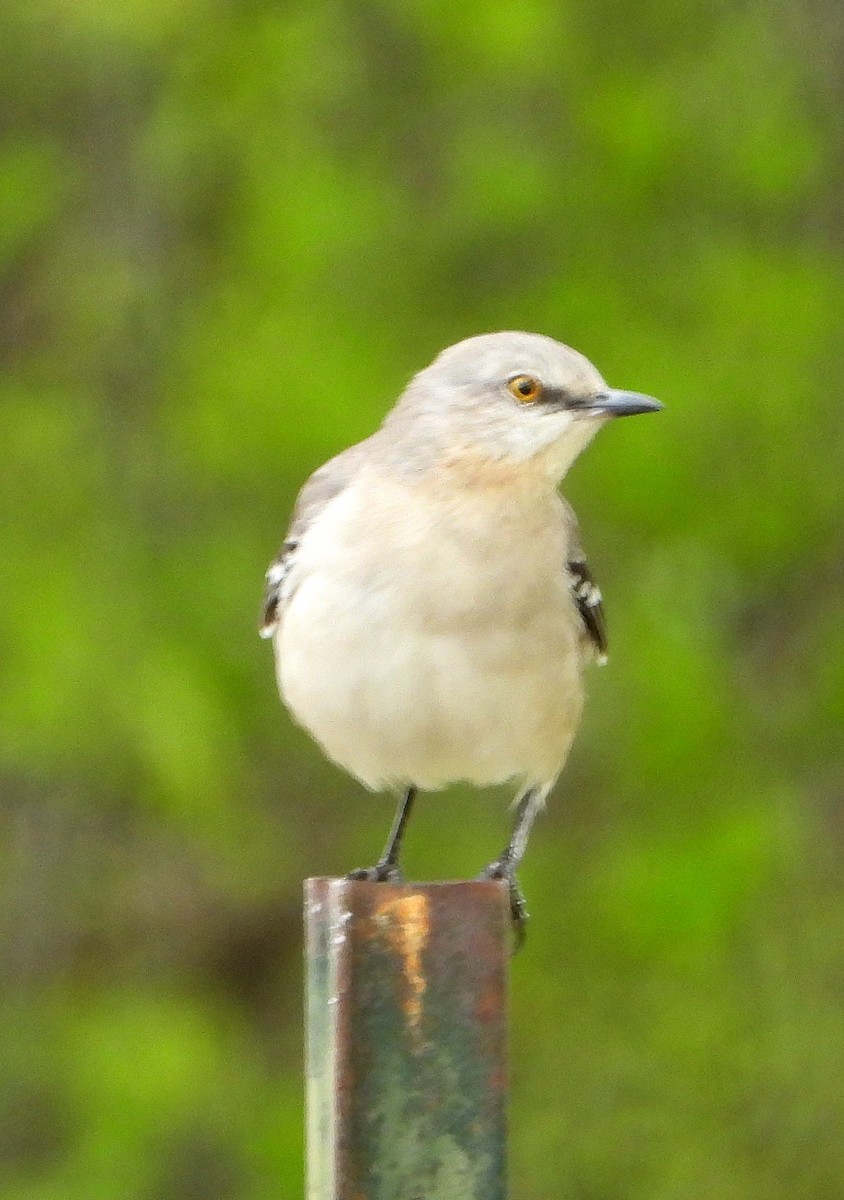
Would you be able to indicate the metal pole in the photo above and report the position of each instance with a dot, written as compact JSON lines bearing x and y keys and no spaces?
{"x":406,"y":1040}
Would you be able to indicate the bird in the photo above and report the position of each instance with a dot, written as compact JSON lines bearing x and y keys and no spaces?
{"x":431,"y":608}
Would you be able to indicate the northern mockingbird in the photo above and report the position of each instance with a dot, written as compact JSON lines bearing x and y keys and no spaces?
{"x":431,"y":607}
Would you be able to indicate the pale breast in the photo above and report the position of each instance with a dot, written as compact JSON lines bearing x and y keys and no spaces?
{"x":431,"y":636}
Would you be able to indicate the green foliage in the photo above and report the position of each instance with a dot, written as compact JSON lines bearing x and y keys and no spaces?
{"x":228,"y":234}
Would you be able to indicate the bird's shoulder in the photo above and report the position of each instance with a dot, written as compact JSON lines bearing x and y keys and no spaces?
{"x":327,"y":482}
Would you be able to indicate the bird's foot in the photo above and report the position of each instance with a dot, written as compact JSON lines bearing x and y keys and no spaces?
{"x":382,"y":872}
{"x":502,"y":869}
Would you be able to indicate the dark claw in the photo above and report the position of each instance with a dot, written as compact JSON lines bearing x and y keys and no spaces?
{"x":518,"y":906}
{"x":382,"y":872}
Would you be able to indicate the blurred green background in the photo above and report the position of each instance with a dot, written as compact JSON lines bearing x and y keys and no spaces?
{"x":229,"y":232}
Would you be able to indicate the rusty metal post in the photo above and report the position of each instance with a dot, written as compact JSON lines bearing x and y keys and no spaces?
{"x":406,"y":1040}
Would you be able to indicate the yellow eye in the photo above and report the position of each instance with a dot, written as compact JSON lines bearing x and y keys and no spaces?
{"x":525,"y":388}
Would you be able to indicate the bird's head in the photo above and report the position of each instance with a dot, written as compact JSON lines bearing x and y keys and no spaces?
{"x":512,"y":396}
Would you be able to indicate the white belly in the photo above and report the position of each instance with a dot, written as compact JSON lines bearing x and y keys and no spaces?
{"x":433,"y":656}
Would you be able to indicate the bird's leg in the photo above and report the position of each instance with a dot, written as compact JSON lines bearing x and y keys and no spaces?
{"x":507,"y":863}
{"x":387,"y":868}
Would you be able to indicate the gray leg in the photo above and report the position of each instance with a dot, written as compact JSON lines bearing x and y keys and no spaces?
{"x":387,"y":868}
{"x":507,"y":863}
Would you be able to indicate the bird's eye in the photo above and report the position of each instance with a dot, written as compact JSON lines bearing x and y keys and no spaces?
{"x":525,"y":388}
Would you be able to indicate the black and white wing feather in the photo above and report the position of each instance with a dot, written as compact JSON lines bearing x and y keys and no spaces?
{"x":585,"y":591}
{"x":277,"y":587}
{"x":587,"y":597}
{"x":325,"y":483}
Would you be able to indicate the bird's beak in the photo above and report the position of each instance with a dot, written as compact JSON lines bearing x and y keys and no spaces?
{"x":614,"y":403}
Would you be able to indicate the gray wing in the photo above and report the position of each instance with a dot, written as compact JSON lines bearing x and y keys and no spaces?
{"x":326,"y":482}
{"x":585,"y":591}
